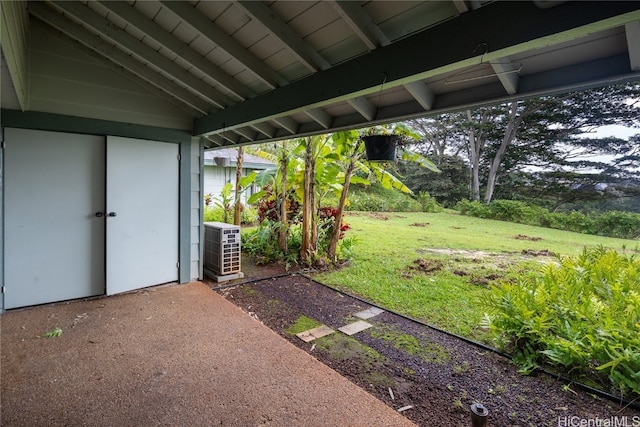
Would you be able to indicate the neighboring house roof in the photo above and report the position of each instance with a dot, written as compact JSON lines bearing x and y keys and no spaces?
{"x":231,"y":155}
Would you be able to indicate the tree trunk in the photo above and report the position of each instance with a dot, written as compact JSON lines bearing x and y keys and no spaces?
{"x":474,"y":154}
{"x":332,"y":251}
{"x":237,"y":209}
{"x":509,"y":135}
{"x":307,"y":248}
{"x":283,"y":230}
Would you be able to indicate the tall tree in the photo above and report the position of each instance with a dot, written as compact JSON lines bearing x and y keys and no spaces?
{"x":546,"y":133}
{"x":237,"y":209}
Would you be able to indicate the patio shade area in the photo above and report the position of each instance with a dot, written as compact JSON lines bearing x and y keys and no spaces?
{"x":177,"y":355}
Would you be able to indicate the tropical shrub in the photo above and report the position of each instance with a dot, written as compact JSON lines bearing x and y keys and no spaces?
{"x":428,"y":203}
{"x":376,"y":198}
{"x":623,"y":225}
{"x":581,"y":316}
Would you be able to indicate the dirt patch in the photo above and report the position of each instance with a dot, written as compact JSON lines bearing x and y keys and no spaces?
{"x":425,"y":265}
{"x":529,"y":238}
{"x":404,"y":363}
{"x":419,"y":224}
{"x":537,"y":253}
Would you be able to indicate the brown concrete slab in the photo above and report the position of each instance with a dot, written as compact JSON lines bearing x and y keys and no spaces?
{"x":175,"y":355}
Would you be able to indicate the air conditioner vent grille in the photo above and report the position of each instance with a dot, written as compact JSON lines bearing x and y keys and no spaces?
{"x":221,"y":248}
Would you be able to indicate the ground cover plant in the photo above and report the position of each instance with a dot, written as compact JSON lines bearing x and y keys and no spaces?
{"x":442,"y":268}
{"x":582,"y":315}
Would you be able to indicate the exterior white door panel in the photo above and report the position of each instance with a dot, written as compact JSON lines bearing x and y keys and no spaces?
{"x":54,"y":243}
{"x":142,"y":193}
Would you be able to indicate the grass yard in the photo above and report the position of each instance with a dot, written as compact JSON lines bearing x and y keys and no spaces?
{"x":437,"y":266}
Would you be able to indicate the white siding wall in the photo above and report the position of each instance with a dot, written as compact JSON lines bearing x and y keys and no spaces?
{"x":13,"y":30}
{"x":66,"y":81}
{"x":216,"y":177}
{"x":196,"y":210}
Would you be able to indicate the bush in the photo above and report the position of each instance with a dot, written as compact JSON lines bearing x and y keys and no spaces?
{"x":429,"y":204}
{"x":216,"y":214}
{"x":375,"y":198}
{"x":624,"y":225}
{"x":473,"y":208}
{"x":213,"y":214}
{"x":581,"y":316}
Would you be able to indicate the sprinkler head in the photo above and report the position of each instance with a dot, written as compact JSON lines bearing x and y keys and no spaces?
{"x":479,"y":415}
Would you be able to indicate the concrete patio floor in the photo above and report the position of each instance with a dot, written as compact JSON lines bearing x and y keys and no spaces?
{"x":175,"y":355}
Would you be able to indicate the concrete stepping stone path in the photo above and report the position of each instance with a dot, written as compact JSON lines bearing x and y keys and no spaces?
{"x":350,"y":329}
{"x":315,"y":333}
{"x":369,"y":313}
{"x":355,"y":327}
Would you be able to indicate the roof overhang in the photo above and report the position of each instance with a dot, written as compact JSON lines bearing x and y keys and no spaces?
{"x":247,"y":72}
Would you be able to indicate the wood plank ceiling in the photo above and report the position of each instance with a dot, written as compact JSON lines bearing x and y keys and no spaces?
{"x":257,"y":71}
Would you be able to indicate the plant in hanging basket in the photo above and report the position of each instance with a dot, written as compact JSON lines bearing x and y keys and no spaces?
{"x":381,"y":148}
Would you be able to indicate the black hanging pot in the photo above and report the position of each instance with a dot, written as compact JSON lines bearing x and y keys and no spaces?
{"x":381,"y":148}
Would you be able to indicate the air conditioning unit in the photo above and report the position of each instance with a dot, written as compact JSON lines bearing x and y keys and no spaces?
{"x":222,"y":251}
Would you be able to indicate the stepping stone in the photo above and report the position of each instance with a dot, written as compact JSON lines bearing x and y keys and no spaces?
{"x":369,"y":313}
{"x":355,"y":327}
{"x":315,"y":333}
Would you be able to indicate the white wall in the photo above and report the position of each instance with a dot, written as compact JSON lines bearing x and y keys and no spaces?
{"x":63,"y":80}
{"x":216,"y":177}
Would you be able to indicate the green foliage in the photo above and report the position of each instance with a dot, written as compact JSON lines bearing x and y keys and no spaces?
{"x":447,"y":187}
{"x":623,"y":225}
{"x":262,"y":242}
{"x":429,"y":204}
{"x":249,"y":215}
{"x":302,"y":324}
{"x":376,"y":198}
{"x":53,"y":333}
{"x":581,"y":315}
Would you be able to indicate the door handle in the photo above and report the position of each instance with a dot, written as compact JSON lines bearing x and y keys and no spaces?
{"x":99,"y":214}
{"x":111,"y":214}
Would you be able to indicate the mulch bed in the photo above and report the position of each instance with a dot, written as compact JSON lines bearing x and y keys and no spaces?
{"x":438,"y":378}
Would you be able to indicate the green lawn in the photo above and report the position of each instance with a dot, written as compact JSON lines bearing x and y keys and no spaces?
{"x":460,"y":258}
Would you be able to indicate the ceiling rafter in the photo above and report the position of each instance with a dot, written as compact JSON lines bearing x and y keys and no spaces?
{"x":278,"y":28}
{"x":265,"y":129}
{"x":632,"y":31}
{"x":216,"y":140}
{"x":119,"y":36}
{"x":247,"y":133}
{"x":192,"y":17}
{"x":421,"y":93}
{"x":610,"y":70}
{"x":287,"y":123}
{"x":365,"y":108}
{"x":507,"y":73}
{"x":113,"y":54}
{"x":231,"y":136}
{"x":509,"y":28}
{"x":155,"y":32}
{"x":461,"y":6}
{"x":320,"y":116}
{"x":361,"y":23}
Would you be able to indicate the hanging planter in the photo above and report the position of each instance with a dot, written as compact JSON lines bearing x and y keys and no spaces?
{"x":222,"y":162}
{"x":381,"y":148}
